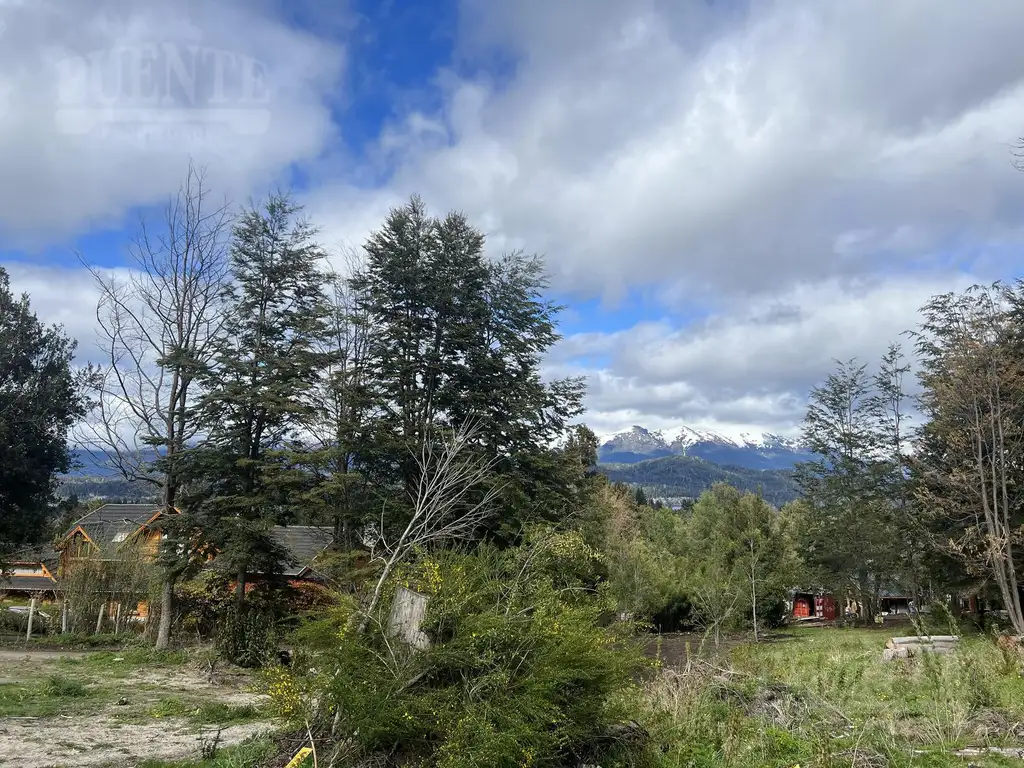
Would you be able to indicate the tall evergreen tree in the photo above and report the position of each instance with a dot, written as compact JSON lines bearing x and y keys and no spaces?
{"x":338,"y":493}
{"x":852,"y":538}
{"x":458,"y":338}
{"x":40,"y":398}
{"x":253,"y":404}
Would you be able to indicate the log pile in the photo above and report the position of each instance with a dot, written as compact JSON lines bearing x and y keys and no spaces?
{"x":909,"y":647}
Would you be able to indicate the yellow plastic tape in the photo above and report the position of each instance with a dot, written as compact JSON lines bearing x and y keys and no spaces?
{"x":301,"y":755}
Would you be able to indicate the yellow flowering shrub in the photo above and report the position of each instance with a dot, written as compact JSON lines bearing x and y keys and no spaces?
{"x":286,"y":696}
{"x":521,"y":671}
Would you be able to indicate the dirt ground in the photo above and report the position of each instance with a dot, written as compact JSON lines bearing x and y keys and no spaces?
{"x":96,"y":741}
{"x":124,"y":727}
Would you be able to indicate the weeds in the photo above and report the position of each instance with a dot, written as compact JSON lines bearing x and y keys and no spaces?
{"x":204,"y":713}
{"x":245,"y":755}
{"x":826,"y":699}
{"x":61,"y":687}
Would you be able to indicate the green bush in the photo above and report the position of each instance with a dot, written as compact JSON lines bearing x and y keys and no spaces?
{"x":675,"y":616}
{"x":247,"y":638}
{"x":61,"y":687}
{"x":520,"y":670}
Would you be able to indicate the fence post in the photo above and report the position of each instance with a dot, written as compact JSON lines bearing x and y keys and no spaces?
{"x":31,"y":615}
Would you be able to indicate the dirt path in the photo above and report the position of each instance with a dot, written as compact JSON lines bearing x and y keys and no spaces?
{"x":8,"y":654}
{"x":79,"y":742}
{"x":125,"y":733}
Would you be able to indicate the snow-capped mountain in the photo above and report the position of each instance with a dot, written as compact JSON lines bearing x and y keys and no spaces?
{"x":765,"y":451}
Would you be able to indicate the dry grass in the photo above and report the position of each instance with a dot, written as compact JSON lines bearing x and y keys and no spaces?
{"x":825,"y":698}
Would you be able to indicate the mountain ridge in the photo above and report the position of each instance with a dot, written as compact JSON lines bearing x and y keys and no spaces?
{"x":767,"y":452}
{"x":675,"y":478}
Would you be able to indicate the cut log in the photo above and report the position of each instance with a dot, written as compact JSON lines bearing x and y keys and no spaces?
{"x":890,"y":654}
{"x":945,"y":640}
{"x":909,"y":647}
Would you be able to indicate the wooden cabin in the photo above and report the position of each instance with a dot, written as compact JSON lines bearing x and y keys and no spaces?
{"x":30,"y":573}
{"x":110,"y":532}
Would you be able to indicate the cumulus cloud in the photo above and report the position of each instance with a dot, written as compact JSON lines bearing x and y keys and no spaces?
{"x":750,"y":368}
{"x":102,"y":103}
{"x":61,"y":296}
{"x":647,"y":142}
{"x":807,"y":173}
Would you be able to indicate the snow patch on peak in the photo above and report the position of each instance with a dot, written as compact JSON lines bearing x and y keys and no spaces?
{"x":683,"y":437}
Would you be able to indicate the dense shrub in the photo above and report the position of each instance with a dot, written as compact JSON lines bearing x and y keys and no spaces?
{"x":520,"y":670}
{"x":675,"y":616}
{"x":247,"y":638}
{"x":772,"y":613}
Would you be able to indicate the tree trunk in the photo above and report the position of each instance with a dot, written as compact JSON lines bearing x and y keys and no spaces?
{"x":864,"y":587}
{"x":99,"y":617}
{"x":364,"y":622}
{"x":753,"y":603}
{"x":240,"y":588}
{"x":163,"y":637}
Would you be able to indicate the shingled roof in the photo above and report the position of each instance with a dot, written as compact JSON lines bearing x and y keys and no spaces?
{"x":303,"y":543}
{"x":109,"y":525}
{"x":27,"y":584}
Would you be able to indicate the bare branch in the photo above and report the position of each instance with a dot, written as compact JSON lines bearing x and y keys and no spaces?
{"x":449,"y":472}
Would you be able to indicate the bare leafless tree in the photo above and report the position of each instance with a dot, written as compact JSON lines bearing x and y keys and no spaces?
{"x":452,"y":496}
{"x":157,"y":326}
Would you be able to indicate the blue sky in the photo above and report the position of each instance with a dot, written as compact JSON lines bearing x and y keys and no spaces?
{"x":729,"y":195}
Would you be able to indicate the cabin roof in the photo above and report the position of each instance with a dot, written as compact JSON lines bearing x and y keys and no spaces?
{"x":303,"y":543}
{"x":27,"y":583}
{"x":109,"y":525}
{"x":47,"y":557}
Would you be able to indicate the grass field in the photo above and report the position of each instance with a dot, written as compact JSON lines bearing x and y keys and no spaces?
{"x":816,"y":697}
{"x":823,"y":697}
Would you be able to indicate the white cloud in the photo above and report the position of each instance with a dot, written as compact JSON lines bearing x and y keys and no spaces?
{"x":769,"y":165}
{"x":65,"y":64}
{"x":61,"y":296}
{"x":641,"y":143}
{"x":750,"y":367}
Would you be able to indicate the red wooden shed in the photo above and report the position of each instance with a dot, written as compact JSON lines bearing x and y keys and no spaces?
{"x":807,"y":605}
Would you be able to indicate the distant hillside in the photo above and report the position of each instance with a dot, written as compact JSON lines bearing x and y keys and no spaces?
{"x":678,"y":477}
{"x":766,"y":451}
{"x":666,"y":477}
{"x":109,"y":488}
{"x":86,"y":463}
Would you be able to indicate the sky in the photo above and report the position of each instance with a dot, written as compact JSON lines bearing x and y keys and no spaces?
{"x":730,"y":194}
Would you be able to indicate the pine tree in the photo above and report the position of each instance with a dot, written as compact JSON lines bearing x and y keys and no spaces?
{"x":338,"y":494}
{"x":244,"y":476}
{"x":639,"y":496}
{"x":456,"y":339}
{"x":853,"y":536}
{"x":40,"y":398}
